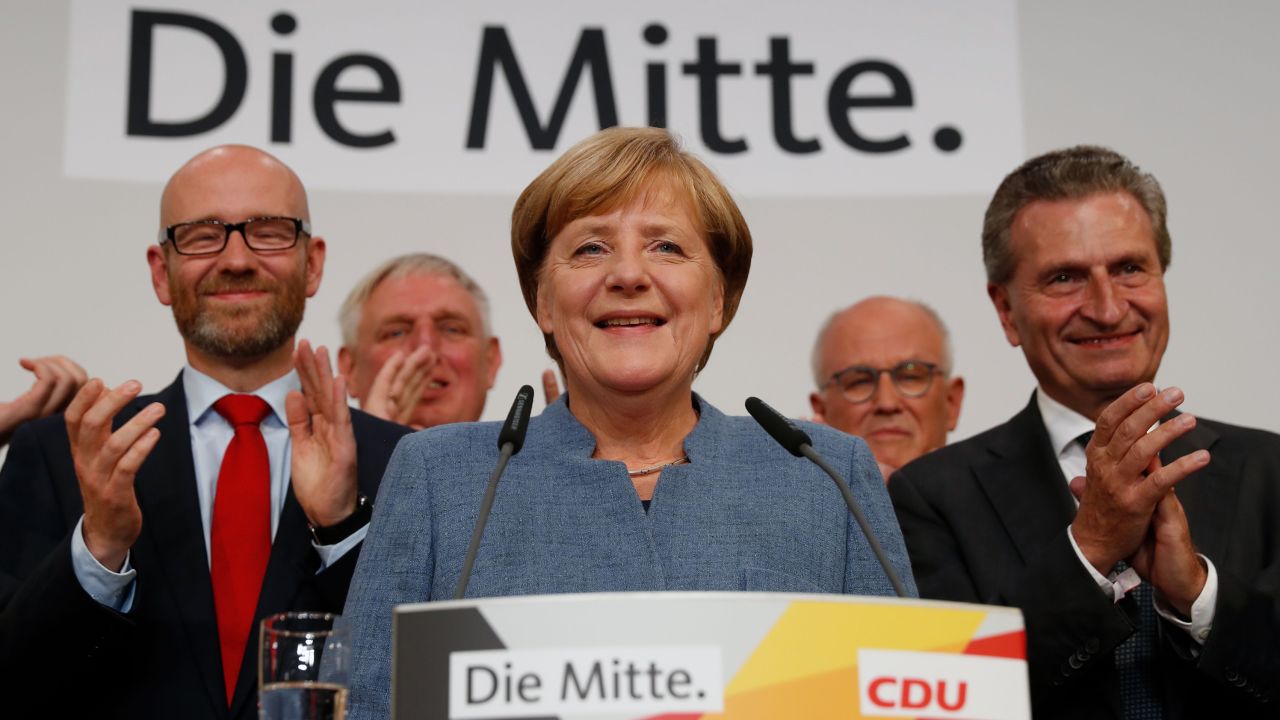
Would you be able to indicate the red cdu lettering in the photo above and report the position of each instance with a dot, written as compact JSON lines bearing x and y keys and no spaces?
{"x":873,"y":689}
{"x":916,"y":693}
{"x":960,"y":696}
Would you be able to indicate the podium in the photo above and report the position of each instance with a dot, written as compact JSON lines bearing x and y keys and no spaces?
{"x":695,"y":655}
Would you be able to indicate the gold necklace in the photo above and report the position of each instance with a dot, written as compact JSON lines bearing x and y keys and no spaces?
{"x":658,"y":468}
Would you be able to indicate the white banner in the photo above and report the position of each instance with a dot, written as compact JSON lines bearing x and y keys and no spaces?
{"x":796,"y":98}
{"x":592,"y":681}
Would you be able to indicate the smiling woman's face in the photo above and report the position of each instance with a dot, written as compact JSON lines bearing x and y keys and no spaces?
{"x":632,"y":296}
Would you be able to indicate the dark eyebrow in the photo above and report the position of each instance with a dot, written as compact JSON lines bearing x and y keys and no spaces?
{"x":592,"y":226}
{"x":1131,"y":260}
{"x":452,"y":315}
{"x":394,"y":319}
{"x":1066,"y":266}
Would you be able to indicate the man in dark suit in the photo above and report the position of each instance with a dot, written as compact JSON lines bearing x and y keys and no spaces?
{"x":143,"y":538}
{"x":1139,"y":542}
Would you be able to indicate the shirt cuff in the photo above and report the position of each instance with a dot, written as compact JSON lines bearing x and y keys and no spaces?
{"x":112,"y":589}
{"x":1115,"y":586}
{"x":330,"y":554}
{"x":1202,"y":610}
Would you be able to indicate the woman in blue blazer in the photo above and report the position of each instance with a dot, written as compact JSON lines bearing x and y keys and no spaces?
{"x":632,"y":258}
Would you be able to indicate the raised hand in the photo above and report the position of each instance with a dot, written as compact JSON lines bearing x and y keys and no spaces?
{"x":106,"y":463}
{"x":1125,"y":481}
{"x":550,"y":387}
{"x":323,"y":465}
{"x":57,"y":380}
{"x":398,"y":386}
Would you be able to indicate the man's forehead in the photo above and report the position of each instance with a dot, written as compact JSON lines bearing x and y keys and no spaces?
{"x":884,"y":338}
{"x":232,"y":183}
{"x":420,"y":295}
{"x":1099,"y":228}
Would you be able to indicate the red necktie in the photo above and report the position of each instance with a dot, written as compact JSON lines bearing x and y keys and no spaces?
{"x":240,"y":540}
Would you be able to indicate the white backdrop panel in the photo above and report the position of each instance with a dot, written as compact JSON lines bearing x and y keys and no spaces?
{"x":1185,"y":91}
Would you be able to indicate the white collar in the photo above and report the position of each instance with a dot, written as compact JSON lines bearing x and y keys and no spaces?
{"x":203,"y":391}
{"x":1063,"y":423}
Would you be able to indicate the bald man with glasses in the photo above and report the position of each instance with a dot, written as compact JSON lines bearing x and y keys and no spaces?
{"x":882,"y":368}
{"x":144,"y":537}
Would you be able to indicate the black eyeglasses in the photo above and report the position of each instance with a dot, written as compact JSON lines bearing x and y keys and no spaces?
{"x":912,"y":378}
{"x":210,"y":237}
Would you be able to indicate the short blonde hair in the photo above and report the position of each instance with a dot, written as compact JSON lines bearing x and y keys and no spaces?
{"x":608,"y":170}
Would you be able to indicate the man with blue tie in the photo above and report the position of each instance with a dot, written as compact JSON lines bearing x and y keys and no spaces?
{"x":143,"y":538}
{"x":1139,"y":541}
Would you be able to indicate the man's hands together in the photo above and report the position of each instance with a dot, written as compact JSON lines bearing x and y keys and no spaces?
{"x":1128,"y":510}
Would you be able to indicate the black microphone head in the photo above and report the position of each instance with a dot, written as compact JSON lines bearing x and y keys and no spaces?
{"x":788,"y":436}
{"x":517,"y":422}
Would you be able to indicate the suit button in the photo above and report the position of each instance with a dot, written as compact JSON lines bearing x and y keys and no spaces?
{"x":1075,"y":662}
{"x":1231,"y":675}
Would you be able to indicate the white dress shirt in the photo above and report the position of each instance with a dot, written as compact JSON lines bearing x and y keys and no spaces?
{"x":210,"y":436}
{"x":1065,"y":426}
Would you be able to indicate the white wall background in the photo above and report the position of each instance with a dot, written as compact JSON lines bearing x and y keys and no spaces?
{"x":1186,"y":91}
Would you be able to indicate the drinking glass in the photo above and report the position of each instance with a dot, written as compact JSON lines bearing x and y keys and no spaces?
{"x":304,"y":664}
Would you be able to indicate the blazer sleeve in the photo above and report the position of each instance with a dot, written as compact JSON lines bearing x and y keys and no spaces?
{"x":396,"y":566}
{"x":1242,"y":652}
{"x":47,"y":620}
{"x":376,"y":441}
{"x":1071,"y":625}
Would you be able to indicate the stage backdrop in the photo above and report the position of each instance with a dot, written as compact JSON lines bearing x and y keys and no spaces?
{"x":863,"y":140}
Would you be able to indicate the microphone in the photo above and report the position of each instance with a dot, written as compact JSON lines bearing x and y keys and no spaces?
{"x":797,"y":442}
{"x":510,"y":440}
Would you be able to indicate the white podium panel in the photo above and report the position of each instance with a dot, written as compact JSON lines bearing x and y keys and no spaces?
{"x":696,"y":656}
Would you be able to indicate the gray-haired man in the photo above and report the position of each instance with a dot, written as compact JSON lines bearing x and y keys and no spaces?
{"x":416,"y":343}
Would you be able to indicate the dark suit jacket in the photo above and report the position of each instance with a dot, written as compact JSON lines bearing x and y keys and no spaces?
{"x":985,"y":521}
{"x":71,"y":655}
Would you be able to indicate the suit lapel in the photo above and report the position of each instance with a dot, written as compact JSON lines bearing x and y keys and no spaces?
{"x":1209,"y":496}
{"x":166,"y":490}
{"x":1024,"y":482}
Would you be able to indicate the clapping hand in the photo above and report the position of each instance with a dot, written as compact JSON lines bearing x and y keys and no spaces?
{"x":106,"y":463}
{"x":1128,"y":510}
{"x":398,"y":386}
{"x":550,"y":387}
{"x":57,"y":380}
{"x":323,"y":465}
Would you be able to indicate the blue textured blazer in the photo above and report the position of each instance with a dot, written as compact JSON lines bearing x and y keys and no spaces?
{"x":744,"y":514}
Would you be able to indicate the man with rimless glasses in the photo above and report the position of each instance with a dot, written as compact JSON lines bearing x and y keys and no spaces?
{"x":883,"y":372}
{"x":142,"y":538}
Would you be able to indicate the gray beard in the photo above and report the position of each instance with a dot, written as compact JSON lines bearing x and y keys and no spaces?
{"x":276,"y":328}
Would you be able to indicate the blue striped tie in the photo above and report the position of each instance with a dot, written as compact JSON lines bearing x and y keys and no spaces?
{"x":1135,"y":657}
